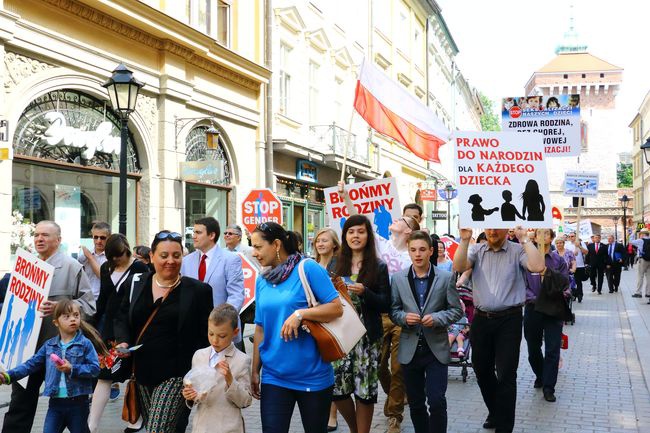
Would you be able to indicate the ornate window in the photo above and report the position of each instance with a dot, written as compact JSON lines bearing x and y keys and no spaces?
{"x":73,"y":127}
{"x":197,"y":150}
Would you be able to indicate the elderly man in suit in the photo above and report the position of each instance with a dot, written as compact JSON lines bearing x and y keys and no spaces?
{"x":217,"y":267}
{"x":424,"y":303}
{"x":597,"y":258}
{"x":616,"y":257}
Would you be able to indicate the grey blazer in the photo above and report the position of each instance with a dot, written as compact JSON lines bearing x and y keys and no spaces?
{"x":442,"y":302}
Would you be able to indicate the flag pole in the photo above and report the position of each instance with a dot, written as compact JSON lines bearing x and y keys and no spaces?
{"x":346,"y":145}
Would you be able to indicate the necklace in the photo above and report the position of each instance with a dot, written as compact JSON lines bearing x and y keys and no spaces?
{"x":166,"y":287}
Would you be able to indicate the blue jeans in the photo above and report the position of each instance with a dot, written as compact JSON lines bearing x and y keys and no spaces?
{"x":538,"y":326}
{"x":67,"y":412}
{"x":426,"y":379}
{"x":277,"y":404}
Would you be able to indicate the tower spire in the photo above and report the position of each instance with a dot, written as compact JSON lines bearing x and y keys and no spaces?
{"x":571,"y":41}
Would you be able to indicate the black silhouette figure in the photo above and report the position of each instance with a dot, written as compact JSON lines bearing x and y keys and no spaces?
{"x":508,"y":210}
{"x":533,"y":202}
{"x":478,"y":213}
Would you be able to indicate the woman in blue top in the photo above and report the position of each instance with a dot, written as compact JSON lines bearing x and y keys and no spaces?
{"x":292,"y":368}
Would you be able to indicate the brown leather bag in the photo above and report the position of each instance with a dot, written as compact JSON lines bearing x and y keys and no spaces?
{"x":131,"y":406}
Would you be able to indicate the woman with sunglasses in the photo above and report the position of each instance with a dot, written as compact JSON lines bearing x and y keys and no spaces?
{"x":117,"y":268}
{"x":369,"y":287}
{"x":166,"y":315}
{"x":292,"y":370}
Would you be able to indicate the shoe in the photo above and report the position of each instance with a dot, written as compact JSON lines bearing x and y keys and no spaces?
{"x":549,"y":396}
{"x":461,"y":353}
{"x":115,"y":392}
{"x":636,"y":295}
{"x":394,"y":425}
{"x":611,"y":291}
{"x":647,"y":296}
{"x":600,"y":293}
{"x":132,"y":430}
{"x":538,"y":383}
{"x":333,"y":427}
{"x":579,"y":300}
{"x":593,"y":289}
{"x":489,"y":423}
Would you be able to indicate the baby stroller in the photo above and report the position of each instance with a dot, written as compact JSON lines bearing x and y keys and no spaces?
{"x":462,"y":358}
{"x":569,"y":299}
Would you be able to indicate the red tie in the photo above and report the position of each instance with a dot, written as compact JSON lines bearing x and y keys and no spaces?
{"x":596,"y":247}
{"x":202,"y":267}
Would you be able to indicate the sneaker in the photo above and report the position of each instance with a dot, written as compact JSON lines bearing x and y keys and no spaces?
{"x":636,"y":295}
{"x":115,"y":392}
{"x":394,"y":425}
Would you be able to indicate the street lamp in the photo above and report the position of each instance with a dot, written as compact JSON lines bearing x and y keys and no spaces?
{"x":615,"y":221}
{"x":645,"y":147}
{"x":449,"y":190}
{"x":624,"y":200}
{"x":123,"y":92}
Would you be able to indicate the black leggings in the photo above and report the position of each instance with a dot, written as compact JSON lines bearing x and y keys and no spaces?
{"x":579,"y":275}
{"x":277,"y":404}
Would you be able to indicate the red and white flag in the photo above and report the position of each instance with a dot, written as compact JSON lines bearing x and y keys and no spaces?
{"x":391,"y":110}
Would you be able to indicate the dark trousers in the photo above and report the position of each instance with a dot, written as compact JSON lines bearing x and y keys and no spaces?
{"x":67,"y":412}
{"x":613,"y":277}
{"x":22,"y":407}
{"x":537,"y":327}
{"x":599,"y":272}
{"x":495,"y":358}
{"x":579,"y":275}
{"x":277,"y":404}
{"x":426,"y":380}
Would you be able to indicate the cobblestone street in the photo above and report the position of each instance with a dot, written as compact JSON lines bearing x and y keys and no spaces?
{"x":602,"y":386}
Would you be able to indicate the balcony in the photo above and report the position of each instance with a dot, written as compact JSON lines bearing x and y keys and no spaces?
{"x":330,"y":140}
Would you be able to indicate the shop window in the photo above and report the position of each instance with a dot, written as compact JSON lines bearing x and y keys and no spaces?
{"x":73,"y":127}
{"x":203,"y":196}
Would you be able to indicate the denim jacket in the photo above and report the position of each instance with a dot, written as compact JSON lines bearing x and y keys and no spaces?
{"x":80,"y":353}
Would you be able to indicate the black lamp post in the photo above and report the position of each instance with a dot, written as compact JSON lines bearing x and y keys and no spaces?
{"x":449,"y":190}
{"x":624,"y":201}
{"x":123,"y":92}
{"x":615,"y":221}
{"x":645,"y":147}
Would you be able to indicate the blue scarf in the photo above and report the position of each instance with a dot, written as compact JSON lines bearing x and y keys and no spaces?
{"x":281,"y":272}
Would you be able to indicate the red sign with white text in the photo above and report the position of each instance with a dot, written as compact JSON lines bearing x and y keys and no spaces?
{"x":450,"y":245}
{"x":250,"y":275}
{"x":261,"y":206}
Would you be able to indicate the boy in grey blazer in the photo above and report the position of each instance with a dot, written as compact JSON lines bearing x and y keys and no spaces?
{"x":424,"y":303}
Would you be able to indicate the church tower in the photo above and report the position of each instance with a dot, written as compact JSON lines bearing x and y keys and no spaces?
{"x":575,"y":71}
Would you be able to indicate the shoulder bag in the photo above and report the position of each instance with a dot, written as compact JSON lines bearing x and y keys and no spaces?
{"x":336,"y":338}
{"x":131,"y":407}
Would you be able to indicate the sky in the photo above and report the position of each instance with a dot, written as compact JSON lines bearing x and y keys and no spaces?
{"x":502,"y":42}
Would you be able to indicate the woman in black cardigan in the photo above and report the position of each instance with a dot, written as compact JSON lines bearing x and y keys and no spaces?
{"x":369,"y":287}
{"x":180,"y":307}
{"x":120,"y":264}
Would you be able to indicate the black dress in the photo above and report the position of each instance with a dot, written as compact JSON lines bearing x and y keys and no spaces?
{"x":108,"y":304}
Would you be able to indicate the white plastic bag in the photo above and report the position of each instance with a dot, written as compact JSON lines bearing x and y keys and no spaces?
{"x":202,"y":379}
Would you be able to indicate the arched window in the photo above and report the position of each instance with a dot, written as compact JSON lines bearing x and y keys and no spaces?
{"x":197,"y":150}
{"x":73,"y":127}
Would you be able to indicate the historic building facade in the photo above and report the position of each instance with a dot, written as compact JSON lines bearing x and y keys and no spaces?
{"x":202,"y":68}
{"x":640,"y":126}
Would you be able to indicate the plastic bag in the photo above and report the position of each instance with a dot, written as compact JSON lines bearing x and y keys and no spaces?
{"x":202,"y":379}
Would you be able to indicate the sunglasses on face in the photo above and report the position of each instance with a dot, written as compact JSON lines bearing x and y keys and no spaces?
{"x":231,"y":234}
{"x":169,"y":235}
{"x":103,"y":238}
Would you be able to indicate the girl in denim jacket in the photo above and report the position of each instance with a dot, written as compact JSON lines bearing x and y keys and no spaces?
{"x":71,"y":363}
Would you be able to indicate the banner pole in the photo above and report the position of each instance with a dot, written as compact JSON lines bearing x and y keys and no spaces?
{"x":579,"y":211}
{"x":345,"y":147}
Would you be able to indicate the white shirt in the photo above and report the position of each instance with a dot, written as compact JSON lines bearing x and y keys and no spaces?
{"x":638,"y":243}
{"x":395,"y":260}
{"x":580,"y":258}
{"x":95,"y":283}
{"x":215,"y":357}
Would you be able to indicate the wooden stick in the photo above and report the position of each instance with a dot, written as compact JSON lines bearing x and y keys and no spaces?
{"x":579,"y":211}
{"x":345,"y":147}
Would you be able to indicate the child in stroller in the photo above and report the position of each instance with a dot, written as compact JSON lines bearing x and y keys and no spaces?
{"x":459,"y":345}
{"x":458,"y":332}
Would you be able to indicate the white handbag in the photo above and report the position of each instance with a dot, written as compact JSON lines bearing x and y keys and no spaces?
{"x":336,"y":338}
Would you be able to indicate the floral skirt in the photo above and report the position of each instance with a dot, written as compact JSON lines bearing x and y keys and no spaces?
{"x":358,"y":372}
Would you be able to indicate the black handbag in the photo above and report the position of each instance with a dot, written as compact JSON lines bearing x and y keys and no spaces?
{"x":587,"y":273}
{"x":551,"y":299}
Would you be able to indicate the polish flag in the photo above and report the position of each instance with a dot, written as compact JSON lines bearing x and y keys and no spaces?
{"x":391,"y":110}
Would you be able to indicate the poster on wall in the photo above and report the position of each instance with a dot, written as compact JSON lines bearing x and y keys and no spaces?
{"x":501,"y":180}
{"x":377,"y":199}
{"x":67,"y":213}
{"x":20,"y":322}
{"x":556,"y":117}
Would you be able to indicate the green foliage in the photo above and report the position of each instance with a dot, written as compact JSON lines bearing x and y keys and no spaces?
{"x":489,"y":120}
{"x":624,"y":175}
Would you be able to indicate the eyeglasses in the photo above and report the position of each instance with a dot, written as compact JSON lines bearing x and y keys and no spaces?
{"x":103,"y":238}
{"x":231,"y":234}
{"x":264,"y":227}
{"x":407,"y":223}
{"x":169,"y":235}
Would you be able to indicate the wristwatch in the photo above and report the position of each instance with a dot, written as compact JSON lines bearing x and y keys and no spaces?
{"x":298,"y":315}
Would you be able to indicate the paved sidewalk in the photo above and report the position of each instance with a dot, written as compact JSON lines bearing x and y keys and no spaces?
{"x":602,"y":386}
